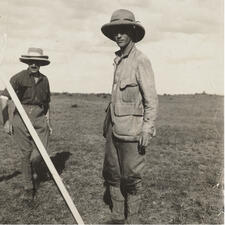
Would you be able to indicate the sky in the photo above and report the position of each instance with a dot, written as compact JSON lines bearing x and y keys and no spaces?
{"x":183,"y":40}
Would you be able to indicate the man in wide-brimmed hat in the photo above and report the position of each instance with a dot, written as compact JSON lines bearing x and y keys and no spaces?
{"x":32,"y":89}
{"x":130,"y":120}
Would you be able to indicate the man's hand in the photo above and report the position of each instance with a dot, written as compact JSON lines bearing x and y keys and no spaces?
{"x":8,"y":128}
{"x":48,"y":120}
{"x":144,"y":141}
{"x":49,"y":127}
{"x":50,"y":130}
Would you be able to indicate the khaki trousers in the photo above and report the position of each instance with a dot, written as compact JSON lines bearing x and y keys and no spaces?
{"x":123,"y":165}
{"x":30,"y":156}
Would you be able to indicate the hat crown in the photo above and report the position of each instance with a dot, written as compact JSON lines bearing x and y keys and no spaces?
{"x":122,"y":14}
{"x":121,"y":18}
{"x":35,"y":52}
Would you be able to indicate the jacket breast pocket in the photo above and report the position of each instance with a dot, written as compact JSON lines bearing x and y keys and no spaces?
{"x":129,"y":90}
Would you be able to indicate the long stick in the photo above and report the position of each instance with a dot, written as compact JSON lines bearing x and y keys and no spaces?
{"x":43,"y":152}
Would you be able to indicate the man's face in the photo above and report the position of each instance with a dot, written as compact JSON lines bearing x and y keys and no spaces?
{"x":34,"y":67}
{"x":122,"y":37}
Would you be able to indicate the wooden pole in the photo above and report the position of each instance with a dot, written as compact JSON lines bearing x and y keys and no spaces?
{"x":43,"y":152}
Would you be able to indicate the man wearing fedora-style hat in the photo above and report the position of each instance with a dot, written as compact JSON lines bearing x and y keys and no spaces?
{"x":130,"y":119}
{"x":32,"y":89}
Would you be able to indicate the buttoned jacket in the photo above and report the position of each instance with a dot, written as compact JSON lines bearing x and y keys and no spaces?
{"x":134,"y":101}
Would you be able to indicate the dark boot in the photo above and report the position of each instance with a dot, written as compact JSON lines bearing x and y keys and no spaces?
{"x":133,"y":202}
{"x":117,"y":215}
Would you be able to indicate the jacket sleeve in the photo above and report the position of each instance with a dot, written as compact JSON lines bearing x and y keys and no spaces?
{"x":145,"y":78}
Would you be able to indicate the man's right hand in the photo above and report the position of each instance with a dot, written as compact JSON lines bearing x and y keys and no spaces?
{"x":8,"y":128}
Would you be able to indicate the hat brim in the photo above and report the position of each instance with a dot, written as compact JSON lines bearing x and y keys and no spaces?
{"x":109,"y":29}
{"x":41,"y":60}
{"x":33,"y":56}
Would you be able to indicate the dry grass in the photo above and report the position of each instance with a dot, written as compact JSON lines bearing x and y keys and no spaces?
{"x":184,"y":164}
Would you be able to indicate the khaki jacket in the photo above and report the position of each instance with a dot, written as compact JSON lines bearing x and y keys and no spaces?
{"x":134,"y":102}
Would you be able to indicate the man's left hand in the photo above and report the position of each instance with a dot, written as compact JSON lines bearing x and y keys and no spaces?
{"x":50,"y":130}
{"x":49,"y":127}
{"x":144,"y":139}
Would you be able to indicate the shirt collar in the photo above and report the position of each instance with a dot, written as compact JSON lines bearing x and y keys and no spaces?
{"x":126,"y":51}
{"x":30,"y":74}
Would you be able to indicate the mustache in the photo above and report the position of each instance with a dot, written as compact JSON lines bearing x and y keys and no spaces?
{"x":33,"y":67}
{"x":119,"y":39}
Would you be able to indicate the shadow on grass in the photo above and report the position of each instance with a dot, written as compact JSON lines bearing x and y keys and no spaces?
{"x":59,"y":161}
{"x":10,"y":176}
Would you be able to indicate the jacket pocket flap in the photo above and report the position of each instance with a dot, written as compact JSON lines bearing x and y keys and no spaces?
{"x":128,"y":110}
{"x":125,"y":83}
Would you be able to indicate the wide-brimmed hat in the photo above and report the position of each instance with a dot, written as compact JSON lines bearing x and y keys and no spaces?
{"x":35,"y":55}
{"x":120,"y":18}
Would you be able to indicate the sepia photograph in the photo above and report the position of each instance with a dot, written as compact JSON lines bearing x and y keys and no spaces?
{"x":112,"y":112}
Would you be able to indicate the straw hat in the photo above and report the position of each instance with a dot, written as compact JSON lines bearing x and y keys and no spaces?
{"x":120,"y":18}
{"x":35,"y":55}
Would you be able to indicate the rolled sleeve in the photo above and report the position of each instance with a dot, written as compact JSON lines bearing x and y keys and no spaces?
{"x":145,"y":77}
{"x":5,"y":93}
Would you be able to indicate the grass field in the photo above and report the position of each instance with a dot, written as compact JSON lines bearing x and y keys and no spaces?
{"x":183,"y":183}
